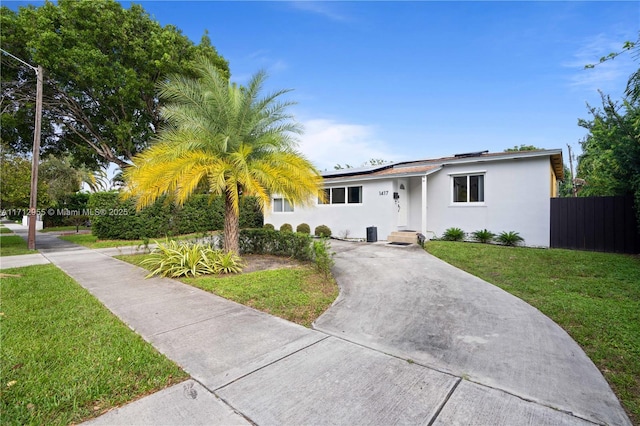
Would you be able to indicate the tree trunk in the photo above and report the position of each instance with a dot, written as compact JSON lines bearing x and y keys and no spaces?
{"x":231,"y":226}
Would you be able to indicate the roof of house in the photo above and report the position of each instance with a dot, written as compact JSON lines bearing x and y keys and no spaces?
{"x":424,"y":167}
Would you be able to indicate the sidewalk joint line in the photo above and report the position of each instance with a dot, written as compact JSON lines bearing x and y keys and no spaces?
{"x":446,"y":399}
{"x":271,"y":363}
{"x":430,"y":367}
{"x":532,"y":401}
{"x":231,"y":407}
{"x":160,"y":333}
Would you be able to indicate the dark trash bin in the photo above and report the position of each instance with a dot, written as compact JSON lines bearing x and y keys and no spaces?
{"x":372,"y":234}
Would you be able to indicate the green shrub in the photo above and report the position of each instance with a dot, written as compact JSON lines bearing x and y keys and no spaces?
{"x":179,"y":258}
{"x":268,"y":241}
{"x":322,"y":231}
{"x":269,"y":226}
{"x":483,"y":236}
{"x":106,"y":225}
{"x":510,"y":238}
{"x":250,"y":212}
{"x":156,"y":220}
{"x":453,"y":234}
{"x":322,"y":256}
{"x":200,"y":213}
{"x":303,"y":228}
{"x":286,"y":228}
{"x":73,"y":209}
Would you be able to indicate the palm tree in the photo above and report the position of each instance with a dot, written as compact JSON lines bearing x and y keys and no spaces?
{"x":228,"y":138}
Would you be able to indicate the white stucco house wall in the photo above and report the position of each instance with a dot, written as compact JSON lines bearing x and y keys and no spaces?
{"x":506,"y":191}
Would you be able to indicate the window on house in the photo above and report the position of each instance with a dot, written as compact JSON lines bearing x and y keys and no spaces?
{"x":337,"y":196}
{"x":282,"y":205}
{"x":468,"y":189}
{"x":327,"y":196}
{"x":355,"y":194}
{"x":350,"y":194}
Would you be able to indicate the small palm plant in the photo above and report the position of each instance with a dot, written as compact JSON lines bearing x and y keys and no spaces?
{"x":510,"y":238}
{"x":483,"y":236}
{"x":453,"y":234}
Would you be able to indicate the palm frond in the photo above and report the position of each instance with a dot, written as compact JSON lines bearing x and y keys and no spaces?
{"x":228,"y":136}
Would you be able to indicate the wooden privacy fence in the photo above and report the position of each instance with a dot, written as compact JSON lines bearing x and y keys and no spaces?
{"x":606,"y":224}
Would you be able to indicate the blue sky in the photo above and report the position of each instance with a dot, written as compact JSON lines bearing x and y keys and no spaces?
{"x":411,"y":80}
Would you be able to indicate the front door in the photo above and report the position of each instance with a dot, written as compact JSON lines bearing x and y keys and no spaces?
{"x":402,"y":202}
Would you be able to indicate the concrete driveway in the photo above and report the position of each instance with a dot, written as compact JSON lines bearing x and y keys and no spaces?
{"x":406,"y":303}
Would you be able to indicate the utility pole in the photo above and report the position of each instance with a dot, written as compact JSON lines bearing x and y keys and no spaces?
{"x":33,"y":199}
{"x":573,"y":182}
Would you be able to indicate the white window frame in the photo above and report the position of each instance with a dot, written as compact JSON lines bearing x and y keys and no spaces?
{"x":329,"y":193}
{"x":285,"y":205}
{"x":468,"y":176}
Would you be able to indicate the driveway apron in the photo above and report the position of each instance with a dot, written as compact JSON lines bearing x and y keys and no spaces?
{"x":404,"y":302}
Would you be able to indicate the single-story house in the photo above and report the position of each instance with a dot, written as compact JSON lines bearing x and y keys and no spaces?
{"x":505,"y":191}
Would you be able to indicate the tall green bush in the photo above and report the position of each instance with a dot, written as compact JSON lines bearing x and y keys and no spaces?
{"x":114,"y":219}
{"x":250,"y":212}
{"x":200,"y":213}
{"x":118,"y":219}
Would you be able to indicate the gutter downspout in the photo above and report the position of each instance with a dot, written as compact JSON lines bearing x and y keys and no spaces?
{"x":423,"y":227}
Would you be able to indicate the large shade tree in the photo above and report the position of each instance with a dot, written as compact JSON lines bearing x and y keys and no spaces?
{"x":228,"y":138}
{"x":610,"y":160}
{"x":101,"y":66}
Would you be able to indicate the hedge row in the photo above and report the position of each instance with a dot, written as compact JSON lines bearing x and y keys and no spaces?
{"x":269,"y":241}
{"x":113,"y":218}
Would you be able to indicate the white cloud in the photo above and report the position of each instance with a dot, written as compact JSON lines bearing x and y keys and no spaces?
{"x":328,"y":142}
{"x":326,"y":9}
{"x":606,"y":76}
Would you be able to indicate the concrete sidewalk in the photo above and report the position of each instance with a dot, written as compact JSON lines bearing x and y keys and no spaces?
{"x":250,"y":367}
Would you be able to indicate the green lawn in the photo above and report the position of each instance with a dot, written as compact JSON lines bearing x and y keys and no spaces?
{"x":12,"y":245}
{"x":67,"y":228}
{"x":65,"y":357}
{"x":91,"y":241}
{"x":595,"y":297}
{"x":298,"y":295}
{"x":5,"y":230}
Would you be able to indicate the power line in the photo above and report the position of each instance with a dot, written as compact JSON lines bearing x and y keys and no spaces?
{"x":20,"y":60}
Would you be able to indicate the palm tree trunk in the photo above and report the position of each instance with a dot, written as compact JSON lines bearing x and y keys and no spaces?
{"x":231,"y":226}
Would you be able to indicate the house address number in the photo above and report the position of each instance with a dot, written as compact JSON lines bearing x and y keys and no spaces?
{"x":383,"y":192}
